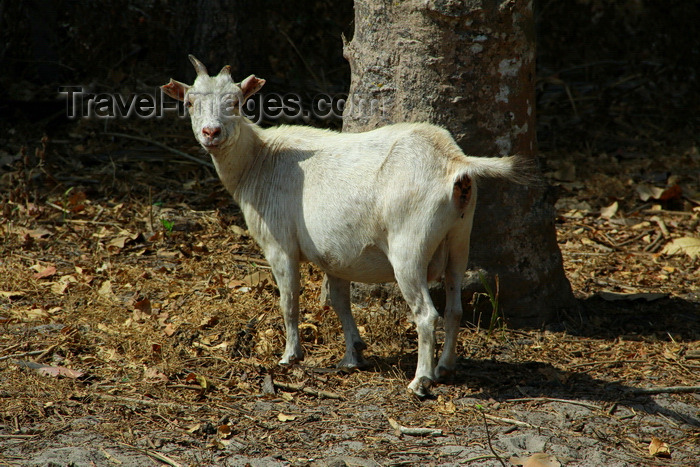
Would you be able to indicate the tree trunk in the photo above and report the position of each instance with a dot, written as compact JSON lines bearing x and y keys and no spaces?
{"x":468,"y":66}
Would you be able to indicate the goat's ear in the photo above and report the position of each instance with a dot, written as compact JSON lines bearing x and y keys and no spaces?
{"x":251,"y":85}
{"x":175,"y":89}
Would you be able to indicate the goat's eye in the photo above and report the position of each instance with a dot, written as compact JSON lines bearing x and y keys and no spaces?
{"x":188,"y":104}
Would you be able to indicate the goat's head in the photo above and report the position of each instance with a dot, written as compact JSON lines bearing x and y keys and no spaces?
{"x":214,"y":103}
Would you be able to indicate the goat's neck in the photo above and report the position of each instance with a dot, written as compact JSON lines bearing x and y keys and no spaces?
{"x":235,"y":161}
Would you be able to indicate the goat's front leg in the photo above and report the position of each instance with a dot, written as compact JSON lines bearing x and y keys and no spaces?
{"x":339,"y":294}
{"x":286,"y":272}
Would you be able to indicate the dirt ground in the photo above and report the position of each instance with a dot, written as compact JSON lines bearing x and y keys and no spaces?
{"x":139,"y":325}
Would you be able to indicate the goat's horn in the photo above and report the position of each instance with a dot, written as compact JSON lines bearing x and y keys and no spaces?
{"x":226,"y":70}
{"x":198,"y":66}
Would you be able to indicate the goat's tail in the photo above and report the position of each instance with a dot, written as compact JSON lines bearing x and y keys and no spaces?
{"x":518,"y":169}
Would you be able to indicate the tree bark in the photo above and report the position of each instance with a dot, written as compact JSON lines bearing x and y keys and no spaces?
{"x":468,"y":66}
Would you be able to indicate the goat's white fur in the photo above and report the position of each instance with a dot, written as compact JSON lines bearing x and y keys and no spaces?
{"x":371,"y":207}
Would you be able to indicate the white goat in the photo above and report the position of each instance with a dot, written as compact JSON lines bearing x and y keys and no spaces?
{"x":392,"y":204}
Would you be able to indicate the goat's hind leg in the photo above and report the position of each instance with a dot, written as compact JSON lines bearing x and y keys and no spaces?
{"x":452,"y":320}
{"x":413,"y":282}
{"x":457,"y":257}
{"x":339,"y":294}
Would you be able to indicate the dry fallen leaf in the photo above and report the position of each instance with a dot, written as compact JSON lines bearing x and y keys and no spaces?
{"x":445,"y":406}
{"x":32,"y":314}
{"x":286,"y":418}
{"x":208,"y":322}
{"x":39,"y":232}
{"x":258,"y":278}
{"x":118,"y":242}
{"x":238,"y":231}
{"x":647,"y":192}
{"x":658,"y":448}
{"x":63,"y":282}
{"x":105,"y":289}
{"x":194,"y":428}
{"x":60,"y":371}
{"x":688,"y":245}
{"x":144,"y":306}
{"x":567,"y":173}
{"x":153,"y":375}
{"x":201,"y":380}
{"x":169,"y":329}
{"x":224,"y":431}
{"x":10,"y":295}
{"x":45,"y":272}
{"x":539,"y":459}
{"x":610,"y":211}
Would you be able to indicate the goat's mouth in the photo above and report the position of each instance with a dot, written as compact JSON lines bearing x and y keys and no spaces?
{"x":212,"y":143}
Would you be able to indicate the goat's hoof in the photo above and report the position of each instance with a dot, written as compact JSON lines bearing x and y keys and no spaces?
{"x":290,"y":360}
{"x":443,"y":374}
{"x":421,"y":387}
{"x":352,"y":364}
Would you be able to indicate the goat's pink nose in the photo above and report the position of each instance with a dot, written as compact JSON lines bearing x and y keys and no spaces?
{"x":211,"y":132}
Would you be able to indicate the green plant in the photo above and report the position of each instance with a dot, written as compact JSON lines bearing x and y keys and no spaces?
{"x":496,"y":319}
{"x":64,"y":203}
{"x":167,"y":225}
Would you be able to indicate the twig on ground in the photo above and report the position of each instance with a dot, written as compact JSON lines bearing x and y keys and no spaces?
{"x":510,"y":421}
{"x":632,"y":239}
{"x":313,"y":392}
{"x":56,"y":206}
{"x":654,"y":245}
{"x":404,"y":430}
{"x":662,"y":226}
{"x":51,"y":348}
{"x":90,"y":221}
{"x":130,"y":400}
{"x":665,"y":390}
{"x":249,"y":259}
{"x":664,"y":211}
{"x":156,"y":455}
{"x":488,"y":438}
{"x":23,"y":354}
{"x":244,"y":413}
{"x":477,"y":458}
{"x":162,"y":146}
{"x":110,"y":457}
{"x":606,"y":362}
{"x":549,"y":399}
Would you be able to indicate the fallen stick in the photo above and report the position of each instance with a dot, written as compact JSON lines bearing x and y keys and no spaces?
{"x":130,"y":400}
{"x":665,"y":390}
{"x":549,"y":399}
{"x":477,"y":458}
{"x":313,"y":392}
{"x":23,"y":354}
{"x":510,"y":421}
{"x":488,"y":438}
{"x":404,"y":430}
{"x":249,"y":259}
{"x":156,"y":455}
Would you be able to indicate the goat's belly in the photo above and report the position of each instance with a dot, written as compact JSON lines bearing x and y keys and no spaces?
{"x":370,"y":266}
